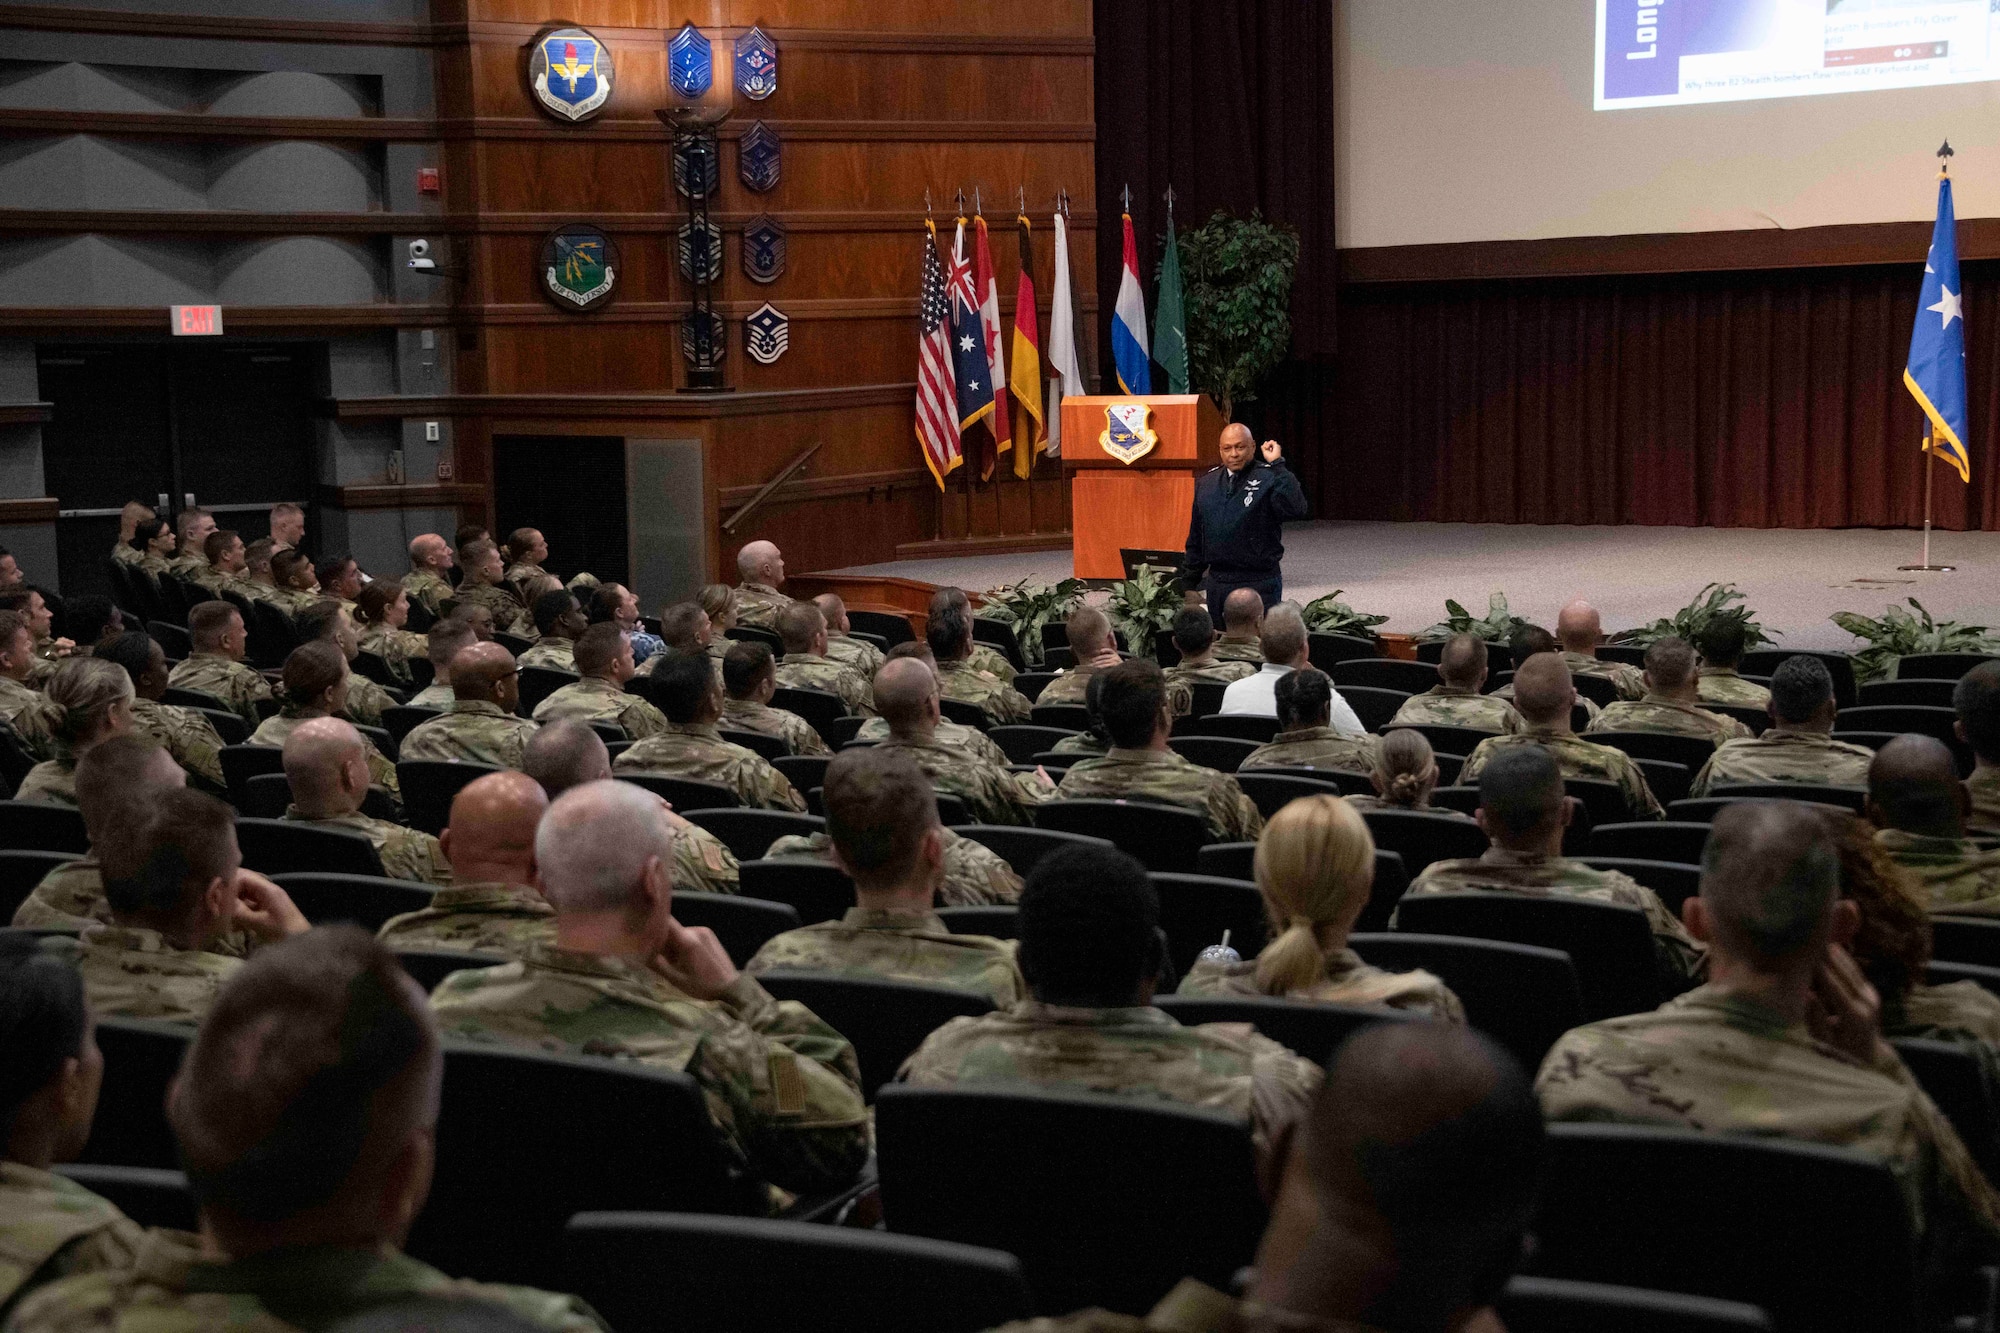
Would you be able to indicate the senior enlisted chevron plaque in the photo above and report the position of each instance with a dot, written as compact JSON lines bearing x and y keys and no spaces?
{"x":690,"y":62}
{"x":757,"y":157}
{"x":766,"y":334}
{"x":763,"y":249}
{"x":756,"y":65}
{"x":700,"y":248}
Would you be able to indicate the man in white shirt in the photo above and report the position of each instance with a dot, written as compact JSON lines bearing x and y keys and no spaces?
{"x":1283,"y":639}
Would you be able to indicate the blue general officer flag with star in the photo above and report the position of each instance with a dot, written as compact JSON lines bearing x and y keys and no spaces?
{"x":1935,"y":374}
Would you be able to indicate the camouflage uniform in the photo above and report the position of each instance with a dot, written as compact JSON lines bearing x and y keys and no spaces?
{"x":758,"y":605}
{"x":807,"y":671}
{"x":476,"y":918}
{"x":898,"y":946}
{"x":955,"y":734}
{"x":594,"y":699}
{"x":27,"y":712}
{"x":69,"y":897}
{"x":521,"y":571}
{"x":1165,"y":776}
{"x":1001,"y":702}
{"x":1130,"y":1052}
{"x":699,"y":753}
{"x":188,"y":736}
{"x":1954,"y":875}
{"x":1678,"y":955}
{"x":1346,"y":980}
{"x":1722,"y":1063}
{"x":406,"y":853}
{"x":1211,"y":670}
{"x":130,"y":972}
{"x":974,"y":874}
{"x":992,"y":795}
{"x":1072,"y":686}
{"x":173,"y":1287}
{"x":154,"y":563}
{"x":1316,"y":747}
{"x":797,"y":733}
{"x":859,"y":655}
{"x":1785,"y":755}
{"x":509,"y":616}
{"x":552,"y":652}
{"x":1365,"y":801}
{"x":396,"y":648}
{"x":276,"y":729}
{"x":1589,"y":706}
{"x":366,"y":701}
{"x":1083,"y":742}
{"x":237,"y":685}
{"x":471,"y":729}
{"x":702,"y":862}
{"x":985,"y":657}
{"x":435,"y":695}
{"x":291,"y":600}
{"x":51,"y":1228}
{"x":1669,"y":717}
{"x":51,"y":782}
{"x":1450,"y":706}
{"x":783,"y":1088}
{"x":1983,"y":788}
{"x":124,"y":553}
{"x":1239,"y":648}
{"x":1577,"y":759}
{"x":1630,"y":682}
{"x":1723,"y":685}
{"x":429,"y":587}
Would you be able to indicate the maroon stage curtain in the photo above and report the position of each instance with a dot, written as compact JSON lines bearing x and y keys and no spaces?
{"x":1762,"y":399}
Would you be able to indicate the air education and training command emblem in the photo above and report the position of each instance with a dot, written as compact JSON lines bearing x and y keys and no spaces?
{"x":1126,"y":436}
{"x":569,"y":74}
{"x":579,"y":268}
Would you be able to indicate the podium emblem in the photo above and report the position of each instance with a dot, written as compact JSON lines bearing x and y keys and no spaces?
{"x":1126,"y":436}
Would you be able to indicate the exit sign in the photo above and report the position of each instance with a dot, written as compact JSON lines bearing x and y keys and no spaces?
{"x":196,"y":321}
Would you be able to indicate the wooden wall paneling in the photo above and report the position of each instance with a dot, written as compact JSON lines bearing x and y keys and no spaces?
{"x":921,"y":18}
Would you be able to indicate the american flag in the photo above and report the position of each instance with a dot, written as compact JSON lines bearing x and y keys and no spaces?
{"x":937,"y":410}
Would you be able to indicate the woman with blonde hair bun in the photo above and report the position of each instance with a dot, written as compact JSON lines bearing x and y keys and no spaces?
{"x":88,"y":700}
{"x":1315,"y":867}
{"x":1404,"y":775}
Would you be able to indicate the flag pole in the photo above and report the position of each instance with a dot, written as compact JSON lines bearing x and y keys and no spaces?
{"x":1930,"y":463}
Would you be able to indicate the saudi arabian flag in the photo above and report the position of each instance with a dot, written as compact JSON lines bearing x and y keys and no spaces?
{"x":1170,"y":320}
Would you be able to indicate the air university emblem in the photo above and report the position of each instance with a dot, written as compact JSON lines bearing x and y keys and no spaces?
{"x":766,"y":335}
{"x":690,"y":67}
{"x":757,"y":157}
{"x":763,"y":249}
{"x":1126,"y":436}
{"x":579,"y":268}
{"x":700,"y":251}
{"x":756,"y":65}
{"x":569,"y":74}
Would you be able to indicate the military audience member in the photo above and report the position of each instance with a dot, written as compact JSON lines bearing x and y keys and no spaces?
{"x":177,"y":886}
{"x":287,"y":525}
{"x":1285,"y":644}
{"x":316,"y":681}
{"x":526,"y":550}
{"x":89,"y":700}
{"x":1785,"y":1038}
{"x":907,"y":694}
{"x":444,"y":642}
{"x":429,"y":579}
{"x":973,"y":874}
{"x":485,"y":585}
{"x":224,"y":564}
{"x":306,"y":1115}
{"x":1315,"y":867}
{"x":692,"y":745}
{"x":50,"y":649}
{"x":1242,"y":628}
{"x":258,"y":581}
{"x":603,"y":658}
{"x":1722,"y":643}
{"x":806,"y":665}
{"x":1090,"y":950}
{"x":1669,"y":706}
{"x":620,"y":605}
{"x":982,"y":657}
{"x":749,"y":678}
{"x":1544,"y":695}
{"x":327,"y":619}
{"x":215,"y":666}
{"x":1404,"y":776}
{"x":22,"y":708}
{"x":948,"y":632}
{"x":1304,"y":699}
{"x":958,"y":735}
{"x":1091,"y":644}
{"x":114,"y":779}
{"x":491,"y":904}
{"x":1194,"y":640}
{"x":720,"y":604}
{"x":294,"y":581}
{"x":1523,"y":810}
{"x":1456,"y":701}
{"x":841,"y":645}
{"x":1138,"y":719}
{"x":480,"y":725}
{"x":478,"y":618}
{"x":340,"y":578}
{"x":1799,"y":746}
{"x":381,"y":610}
{"x":50,"y":1075}
{"x":559,"y":621}
{"x":154,"y":540}
{"x":881,"y":818}
{"x":626,"y":980}
{"x":1525,"y":642}
{"x":191,"y":532}
{"x":92,"y":622}
{"x":467,"y":533}
{"x":130,"y":517}
{"x":760,"y":570}
{"x":568,"y":754}
{"x":1581,"y":630}
{"x":188,"y":735}
{"x":326,"y":765}
{"x":1977,"y":701}
{"x":1917,"y":803}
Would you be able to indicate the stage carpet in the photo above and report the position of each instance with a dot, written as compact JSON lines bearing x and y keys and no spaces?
{"x":1793,"y":579}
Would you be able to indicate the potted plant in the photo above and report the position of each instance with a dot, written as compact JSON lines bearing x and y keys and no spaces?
{"x":1238,"y":292}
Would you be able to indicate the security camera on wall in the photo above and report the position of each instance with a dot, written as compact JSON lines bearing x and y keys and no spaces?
{"x":420,"y":257}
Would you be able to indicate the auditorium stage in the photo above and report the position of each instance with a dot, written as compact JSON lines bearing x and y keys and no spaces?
{"x":1794,"y":579}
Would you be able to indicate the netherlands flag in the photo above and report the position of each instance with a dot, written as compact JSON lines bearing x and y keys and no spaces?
{"x":1128,"y":324}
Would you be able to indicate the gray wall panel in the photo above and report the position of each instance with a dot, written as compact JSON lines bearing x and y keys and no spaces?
{"x":298,"y":270}
{"x":34,"y":548}
{"x":296,"y":177}
{"x":297,"y":93}
{"x":669,"y":552}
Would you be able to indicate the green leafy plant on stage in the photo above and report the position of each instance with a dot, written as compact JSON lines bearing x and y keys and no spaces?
{"x":1898,"y":634}
{"x":1238,"y":274}
{"x":1028,"y":606}
{"x":1330,"y":615}
{"x":1715,"y":602}
{"x":1143,"y":607}
{"x":1496,"y":626}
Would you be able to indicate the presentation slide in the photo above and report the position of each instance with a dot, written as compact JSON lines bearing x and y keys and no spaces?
{"x":1677,"y":52}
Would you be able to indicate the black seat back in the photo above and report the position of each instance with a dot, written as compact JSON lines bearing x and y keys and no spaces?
{"x":281,"y":846}
{"x":1240,"y":726}
{"x":399,"y":720}
{"x":1674,"y":881}
{"x":428,"y":967}
{"x":367,"y":900}
{"x":1274,"y":791}
{"x":1611,"y":945}
{"x":1422,"y":838}
{"x":1763,"y":661}
{"x":964,"y":712}
{"x":1327,"y":651}
{"x":1021,"y":742}
{"x":141,"y":1058}
{"x":761,"y":744}
{"x":1460,"y":741}
{"x":1851,"y":799}
{"x":1954,"y":1077}
{"x":1924,"y":693}
{"x":538,"y":683}
{"x":1195,"y":911}
{"x":1553,"y":1305}
{"x":1000,"y":921}
{"x":741,"y":924}
{"x":1023,"y":848}
{"x":21,"y":869}
{"x":816,"y":890}
{"x":892,"y":627}
{"x":1676,"y":839}
{"x":1305,"y":1027}
{"x":1221,"y":753}
{"x":38,"y":827}
{"x":1099,"y":1197}
{"x":1966,"y":939}
{"x":1385,"y":673}
{"x":748,"y":833}
{"x":684,"y":794}
{"x":150,"y":1196}
{"x":1691,"y":751}
{"x":1522,"y":995}
{"x":1164,"y":837}
{"x":1939,"y":666}
{"x":818,"y":707}
{"x":803,"y":771}
{"x":430,"y":785}
{"x":885,"y":1020}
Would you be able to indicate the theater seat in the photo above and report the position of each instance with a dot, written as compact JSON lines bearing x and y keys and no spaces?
{"x":1305,"y":1027}
{"x":1274,"y":791}
{"x":367,"y":900}
{"x":1023,"y":848}
{"x":1552,"y":1305}
{"x":816,"y":890}
{"x":1221,"y":753}
{"x":1522,"y":995}
{"x":141,"y":1058}
{"x":748,"y":833}
{"x":430,"y":785}
{"x":1611,"y":945}
{"x":1954,"y":1077}
{"x":685,"y":794}
{"x":1851,"y":799}
{"x":1196,"y":910}
{"x":1422,"y":838}
{"x":1674,"y":881}
{"x":148,"y":1195}
{"x":766,"y":747}
{"x":1676,"y":839}
{"x":885,"y":1020}
{"x":34,"y":826}
{"x":1966,"y":939}
{"x":741,"y":924}
{"x":1163,"y":837}
{"x":1000,"y":921}
{"x":279,"y":847}
{"x":20,"y":871}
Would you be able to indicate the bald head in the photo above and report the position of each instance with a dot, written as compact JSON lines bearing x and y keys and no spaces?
{"x":1579,"y":627}
{"x":1543,"y":691}
{"x":429,"y":551}
{"x":1769,"y":880}
{"x":491,"y":838}
{"x":1913,"y":786}
{"x":835,"y":611}
{"x":599,"y":844}
{"x":485,"y":673}
{"x":759,"y":562}
{"x":326,"y":764}
{"x":906,"y":695}
{"x":565,"y":754}
{"x":1408,"y":1196}
{"x":1242,"y":612}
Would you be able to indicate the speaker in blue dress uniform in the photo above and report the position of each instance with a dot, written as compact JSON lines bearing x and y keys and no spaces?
{"x":1235,"y":537}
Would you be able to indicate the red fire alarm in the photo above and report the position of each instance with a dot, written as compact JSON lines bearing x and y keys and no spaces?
{"x":427,"y":180}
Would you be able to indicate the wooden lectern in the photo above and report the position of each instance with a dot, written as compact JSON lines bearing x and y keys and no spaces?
{"x":1144,"y":504}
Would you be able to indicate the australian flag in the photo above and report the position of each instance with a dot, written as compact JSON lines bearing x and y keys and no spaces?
{"x":968,"y":339}
{"x":1935,"y":374}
